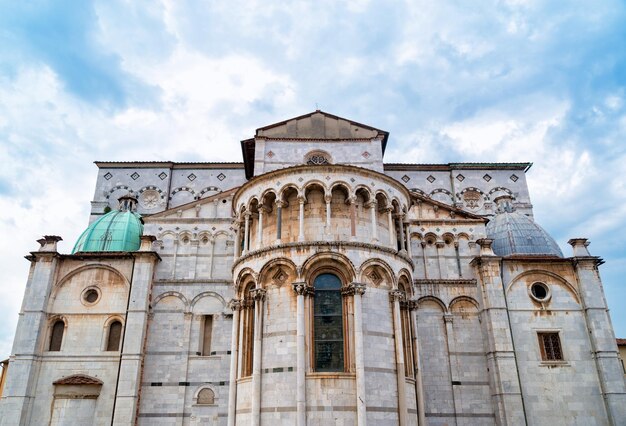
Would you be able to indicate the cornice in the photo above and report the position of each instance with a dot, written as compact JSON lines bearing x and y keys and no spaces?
{"x":320,"y":244}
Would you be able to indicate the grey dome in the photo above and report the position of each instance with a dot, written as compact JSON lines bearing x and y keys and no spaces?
{"x":515,"y":233}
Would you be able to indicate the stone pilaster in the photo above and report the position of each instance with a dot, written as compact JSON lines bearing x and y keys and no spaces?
{"x":19,"y":391}
{"x":503,"y":372}
{"x":235,"y":305}
{"x":135,"y":329}
{"x":397,"y":296}
{"x":601,"y":335}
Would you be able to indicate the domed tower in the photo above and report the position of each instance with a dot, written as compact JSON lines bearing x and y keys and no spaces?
{"x":117,"y":230}
{"x":515,"y":233}
{"x":320,"y":252}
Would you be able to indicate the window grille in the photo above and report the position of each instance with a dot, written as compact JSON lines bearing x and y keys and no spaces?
{"x":550,"y":345}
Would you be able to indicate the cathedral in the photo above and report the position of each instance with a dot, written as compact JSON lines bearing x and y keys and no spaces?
{"x":313,"y":284}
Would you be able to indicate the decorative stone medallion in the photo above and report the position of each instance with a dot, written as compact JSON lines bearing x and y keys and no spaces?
{"x":149,"y":199}
{"x":472,"y":199}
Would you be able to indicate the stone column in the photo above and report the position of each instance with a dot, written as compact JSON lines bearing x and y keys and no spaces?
{"x":301,"y":219}
{"x":419,"y":384}
{"x":237,"y":247}
{"x":328,"y":199}
{"x":19,"y":391}
{"x":246,"y":234}
{"x":279,"y":220}
{"x":259,"y":234}
{"x":506,"y":393}
{"x":392,"y":233}
{"x":301,"y":290}
{"x":352,"y":203}
{"x":212,"y":242}
{"x":259,"y":297}
{"x":235,"y":305}
{"x":358,"y":289}
{"x":451,"y":349}
{"x":400,"y":217}
{"x":601,"y":336}
{"x":441,"y":260}
{"x":194,"y":243}
{"x":373,"y":206}
{"x":408,"y":240}
{"x":396,"y":296}
{"x":135,"y":330}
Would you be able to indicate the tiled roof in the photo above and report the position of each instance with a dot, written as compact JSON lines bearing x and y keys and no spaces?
{"x":78,"y":379}
{"x":621,"y":342}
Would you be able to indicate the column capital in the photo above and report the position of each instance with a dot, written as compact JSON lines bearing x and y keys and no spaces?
{"x":397,"y":295}
{"x":235,"y":304}
{"x":301,"y":199}
{"x":580,"y":247}
{"x":263,"y":209}
{"x":280,"y":203}
{"x":388,"y":209}
{"x":371,"y":204}
{"x":485,"y":247}
{"x":302,"y":289}
{"x":247,"y":214}
{"x":411,"y":304}
{"x":49,"y":242}
{"x":351,"y":200}
{"x":328,"y":198}
{"x":258,"y":294}
{"x":448,"y":318}
{"x":353,"y":289}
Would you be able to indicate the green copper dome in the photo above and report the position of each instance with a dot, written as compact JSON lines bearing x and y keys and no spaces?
{"x":115,"y":231}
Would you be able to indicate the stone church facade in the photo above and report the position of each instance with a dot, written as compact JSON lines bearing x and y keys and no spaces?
{"x":313,"y":284}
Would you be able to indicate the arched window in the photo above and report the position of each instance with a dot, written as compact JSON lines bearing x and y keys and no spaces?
{"x":206,"y":397}
{"x":114,"y":337}
{"x":56,"y":337}
{"x":328,"y":328}
{"x":317,"y":158}
{"x":247,"y":332}
{"x":407,"y":333}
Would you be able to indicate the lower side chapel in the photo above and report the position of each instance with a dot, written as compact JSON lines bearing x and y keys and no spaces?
{"x":313,"y":284}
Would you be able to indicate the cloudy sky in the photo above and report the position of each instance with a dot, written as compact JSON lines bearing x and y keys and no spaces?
{"x":453,"y":81}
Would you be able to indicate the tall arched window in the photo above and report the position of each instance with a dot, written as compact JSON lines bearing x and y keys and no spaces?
{"x":247,"y":332}
{"x":328,"y":328}
{"x":407,"y":333}
{"x":114,"y":337}
{"x":56,"y":336}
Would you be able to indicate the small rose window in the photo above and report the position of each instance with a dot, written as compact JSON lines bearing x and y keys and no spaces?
{"x":317,"y":158}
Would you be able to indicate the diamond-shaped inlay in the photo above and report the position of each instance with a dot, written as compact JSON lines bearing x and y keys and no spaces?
{"x":108,"y":176}
{"x":460,"y":177}
{"x":430,"y":179}
{"x":366,"y":154}
{"x":270,"y":154}
{"x":405,"y":178}
{"x":135,"y":176}
{"x":163,"y":175}
{"x":221,"y":176}
{"x":280,"y":276}
{"x":352,"y":180}
{"x":487,"y":177}
{"x":191,"y":177}
{"x":514,"y":178}
{"x":327,"y":177}
{"x":300,"y":179}
{"x":375,"y":277}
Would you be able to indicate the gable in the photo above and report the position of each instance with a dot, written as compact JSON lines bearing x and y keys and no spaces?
{"x":432,"y":209}
{"x":321,"y":125}
{"x":196,"y":208}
